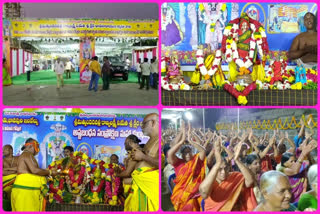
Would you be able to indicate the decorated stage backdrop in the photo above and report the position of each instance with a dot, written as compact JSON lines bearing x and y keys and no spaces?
{"x":97,"y":135}
{"x":185,"y":26}
{"x":87,"y":51}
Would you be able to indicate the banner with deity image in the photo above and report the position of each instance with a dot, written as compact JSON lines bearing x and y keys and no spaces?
{"x":97,"y":135}
{"x":186,"y":27}
{"x":87,"y":51}
{"x":286,"y":18}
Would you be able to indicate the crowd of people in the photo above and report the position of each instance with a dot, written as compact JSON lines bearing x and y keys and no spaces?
{"x":24,"y":181}
{"x":238,"y":171}
{"x":145,"y":71}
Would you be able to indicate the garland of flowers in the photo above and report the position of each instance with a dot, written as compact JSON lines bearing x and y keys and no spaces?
{"x":113,"y":185}
{"x":215,"y":65}
{"x":56,"y":191}
{"x":95,"y":195}
{"x":242,"y":100}
{"x":78,"y":186}
{"x":312,"y":75}
{"x":287,"y":78}
{"x":181,"y":85}
{"x":231,"y":37}
{"x":240,"y":92}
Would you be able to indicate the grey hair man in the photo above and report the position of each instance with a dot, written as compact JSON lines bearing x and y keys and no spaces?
{"x":276,"y":191}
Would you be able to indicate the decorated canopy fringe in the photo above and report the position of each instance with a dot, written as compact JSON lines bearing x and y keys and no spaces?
{"x":288,"y":123}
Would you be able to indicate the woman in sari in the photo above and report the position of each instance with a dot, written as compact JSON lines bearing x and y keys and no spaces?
{"x":254,"y":165}
{"x":6,"y":78}
{"x":296,"y":170}
{"x":309,"y":200}
{"x":190,"y":172}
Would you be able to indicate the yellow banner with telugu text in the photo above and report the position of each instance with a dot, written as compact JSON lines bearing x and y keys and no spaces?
{"x":84,"y":28}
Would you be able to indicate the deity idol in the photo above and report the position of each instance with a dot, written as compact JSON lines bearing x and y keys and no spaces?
{"x":208,"y":63}
{"x":174,"y":77}
{"x":243,"y":40}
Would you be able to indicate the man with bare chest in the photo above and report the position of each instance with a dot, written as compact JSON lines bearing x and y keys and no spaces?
{"x":304,"y":46}
{"x":9,"y":170}
{"x":144,"y":168}
{"x":30,"y":186}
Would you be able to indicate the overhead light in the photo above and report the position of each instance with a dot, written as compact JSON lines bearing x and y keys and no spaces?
{"x":188,"y":115}
{"x":69,"y":110}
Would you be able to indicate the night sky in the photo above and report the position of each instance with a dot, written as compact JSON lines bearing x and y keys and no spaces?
{"x":212,"y":116}
{"x":92,"y":10}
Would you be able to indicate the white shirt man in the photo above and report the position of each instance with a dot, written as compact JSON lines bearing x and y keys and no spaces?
{"x":59,"y":69}
{"x":138,"y":67}
{"x":145,"y":69}
{"x":128,"y":62}
{"x":154,"y":67}
{"x":68,"y":65}
{"x":28,"y":69}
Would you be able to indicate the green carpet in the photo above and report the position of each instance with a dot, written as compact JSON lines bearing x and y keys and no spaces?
{"x":48,"y":77}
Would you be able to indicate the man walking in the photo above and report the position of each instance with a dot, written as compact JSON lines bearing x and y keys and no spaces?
{"x":28,"y":69}
{"x":106,"y":73}
{"x":139,"y":71}
{"x":155,"y":72}
{"x":59,"y":69}
{"x":68,"y":69}
{"x":145,"y":70}
{"x":96,"y":73}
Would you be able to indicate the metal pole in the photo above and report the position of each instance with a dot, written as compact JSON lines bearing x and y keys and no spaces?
{"x":203,"y":120}
{"x":176,"y":124}
{"x":238,"y":119}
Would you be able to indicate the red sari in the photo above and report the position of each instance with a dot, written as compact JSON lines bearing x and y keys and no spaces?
{"x":231,"y":195}
{"x":185,"y":195}
{"x":266,"y":164}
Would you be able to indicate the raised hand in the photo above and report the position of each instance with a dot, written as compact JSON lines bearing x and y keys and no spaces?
{"x":309,"y":121}
{"x":266,"y":136}
{"x":217,"y":149}
{"x":183,"y":129}
{"x":301,"y":122}
{"x":230,"y":154}
{"x":54,"y":172}
{"x":237,"y":151}
{"x":311,"y":146}
{"x":286,"y":135}
{"x":308,"y":135}
{"x":272,"y":140}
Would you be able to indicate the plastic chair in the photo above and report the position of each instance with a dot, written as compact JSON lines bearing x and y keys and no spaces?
{"x":202,"y":205}
{"x":171,"y":178}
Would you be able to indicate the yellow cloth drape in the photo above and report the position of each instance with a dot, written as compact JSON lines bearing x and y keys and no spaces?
{"x":258,"y":73}
{"x":233,"y":71}
{"x":144,"y":193}
{"x":195,"y":77}
{"x":26,"y":193}
{"x":217,"y":79}
{"x":126,"y":189}
{"x":7,"y":183}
